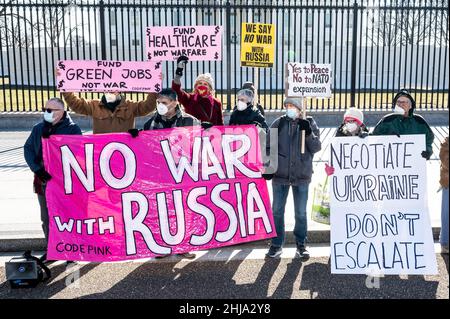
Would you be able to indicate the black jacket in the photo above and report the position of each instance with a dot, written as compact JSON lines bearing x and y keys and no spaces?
{"x":248,"y":116}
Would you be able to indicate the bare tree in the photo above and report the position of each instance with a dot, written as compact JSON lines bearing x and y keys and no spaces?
{"x":407,"y":25}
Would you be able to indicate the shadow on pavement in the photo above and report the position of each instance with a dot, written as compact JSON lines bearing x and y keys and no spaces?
{"x":322,"y":284}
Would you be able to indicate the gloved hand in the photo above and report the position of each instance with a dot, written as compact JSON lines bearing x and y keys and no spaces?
{"x":43,"y":175}
{"x":363,"y":134}
{"x":426,"y":155}
{"x":304,"y":125}
{"x":134,"y":132}
{"x":181,"y":63}
{"x":267,"y":177}
{"x":206,"y":125}
{"x":329,"y":169}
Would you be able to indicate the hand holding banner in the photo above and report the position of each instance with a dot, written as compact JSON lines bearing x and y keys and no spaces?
{"x":108,"y":76}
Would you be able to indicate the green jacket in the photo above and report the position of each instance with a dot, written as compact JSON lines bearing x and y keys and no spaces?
{"x":396,"y":124}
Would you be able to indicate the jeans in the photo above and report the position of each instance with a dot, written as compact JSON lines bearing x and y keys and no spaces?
{"x":300,"y":194}
{"x":443,"y":238}
{"x":44,"y":215}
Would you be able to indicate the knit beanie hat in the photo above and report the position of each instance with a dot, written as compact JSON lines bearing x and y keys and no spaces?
{"x":207,"y":77}
{"x":354,"y":114}
{"x":296,"y":101}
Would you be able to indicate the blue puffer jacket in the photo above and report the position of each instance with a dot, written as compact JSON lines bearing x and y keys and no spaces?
{"x":295,"y":168}
{"x":33,"y":145}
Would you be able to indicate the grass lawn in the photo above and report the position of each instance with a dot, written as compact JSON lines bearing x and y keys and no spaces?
{"x":32,"y":100}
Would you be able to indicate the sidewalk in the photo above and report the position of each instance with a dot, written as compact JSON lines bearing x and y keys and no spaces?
{"x":20,"y":226}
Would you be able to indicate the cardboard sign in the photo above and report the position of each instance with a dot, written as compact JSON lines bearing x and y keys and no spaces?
{"x":108,"y":76}
{"x":113,"y":197}
{"x":378,"y":205}
{"x":258,"y":45}
{"x":308,"y":79}
{"x":198,"y":43}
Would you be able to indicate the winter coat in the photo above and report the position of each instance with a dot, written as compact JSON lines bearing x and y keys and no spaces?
{"x":181,"y":119}
{"x":397,"y":124}
{"x":32,"y":149}
{"x":206,"y":109}
{"x":443,"y":156}
{"x":248,"y":116}
{"x":106,"y":121}
{"x":293,"y":167}
{"x":362,"y":132}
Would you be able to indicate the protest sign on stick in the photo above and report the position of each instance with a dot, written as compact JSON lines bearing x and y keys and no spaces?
{"x":198,"y":43}
{"x":378,"y":206}
{"x":108,"y":76}
{"x":308,"y":79}
{"x":258,"y":45}
{"x":113,"y":197}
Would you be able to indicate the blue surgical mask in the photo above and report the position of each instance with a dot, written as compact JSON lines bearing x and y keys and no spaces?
{"x":292,"y":113}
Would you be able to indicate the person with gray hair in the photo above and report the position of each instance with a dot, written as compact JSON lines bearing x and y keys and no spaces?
{"x":55,"y":121}
{"x":244,"y":113}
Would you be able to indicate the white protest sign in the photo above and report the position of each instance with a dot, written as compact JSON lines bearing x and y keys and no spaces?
{"x":308,"y":79}
{"x":378,"y":207}
{"x":198,"y":43}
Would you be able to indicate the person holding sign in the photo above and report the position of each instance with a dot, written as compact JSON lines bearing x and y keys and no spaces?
{"x":169,"y":113}
{"x":113,"y":112}
{"x":201,"y":103}
{"x":404,"y":121}
{"x":56,"y":121}
{"x":294,"y":169}
{"x":353,"y":124}
{"x":244,"y":113}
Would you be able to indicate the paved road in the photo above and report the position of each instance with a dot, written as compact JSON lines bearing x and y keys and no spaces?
{"x":227,"y":273}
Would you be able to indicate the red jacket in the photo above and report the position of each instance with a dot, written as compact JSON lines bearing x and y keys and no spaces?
{"x":205,"y":109}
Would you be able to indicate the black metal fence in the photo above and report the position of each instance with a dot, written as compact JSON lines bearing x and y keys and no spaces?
{"x":375,"y":47}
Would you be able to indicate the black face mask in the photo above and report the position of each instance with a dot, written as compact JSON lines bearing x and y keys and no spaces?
{"x":111,"y":106}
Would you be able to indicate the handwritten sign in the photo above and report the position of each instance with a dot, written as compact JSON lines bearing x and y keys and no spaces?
{"x":378,"y":203}
{"x":308,"y":79}
{"x":113,"y":197}
{"x":198,"y":43}
{"x":258,"y":45}
{"x":108,"y":76}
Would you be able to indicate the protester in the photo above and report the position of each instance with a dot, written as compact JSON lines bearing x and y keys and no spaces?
{"x":443,"y":155}
{"x":201,"y":103}
{"x":404,"y":121}
{"x":353,"y":124}
{"x":113,"y":112}
{"x":56,"y":122}
{"x":294,"y":169}
{"x":250,"y":86}
{"x":244,"y":113}
{"x":169,"y":114}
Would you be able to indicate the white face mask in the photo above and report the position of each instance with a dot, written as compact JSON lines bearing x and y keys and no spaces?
{"x":48,"y":117}
{"x":162,"y":109}
{"x":399,"y":110}
{"x":351,"y":127}
{"x":110,"y":98}
{"x":292,"y":113}
{"x":241,"y":105}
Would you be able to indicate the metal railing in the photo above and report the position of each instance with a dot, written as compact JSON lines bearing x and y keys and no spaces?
{"x":375,"y":47}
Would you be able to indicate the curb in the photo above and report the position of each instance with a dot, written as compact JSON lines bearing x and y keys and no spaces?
{"x":37,"y":243}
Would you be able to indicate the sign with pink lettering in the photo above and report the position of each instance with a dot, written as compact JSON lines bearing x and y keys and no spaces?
{"x":113,"y":197}
{"x":198,"y":43}
{"x":108,"y":76}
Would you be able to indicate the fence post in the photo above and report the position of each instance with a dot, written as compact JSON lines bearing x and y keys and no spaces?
{"x":102,"y":29}
{"x":354,"y":45}
{"x":228,"y":61}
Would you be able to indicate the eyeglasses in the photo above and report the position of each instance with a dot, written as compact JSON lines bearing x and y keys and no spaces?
{"x":50,"y":110}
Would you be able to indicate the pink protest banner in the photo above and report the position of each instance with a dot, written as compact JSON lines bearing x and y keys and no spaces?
{"x":198,"y":43}
{"x":113,"y":197}
{"x":108,"y":76}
